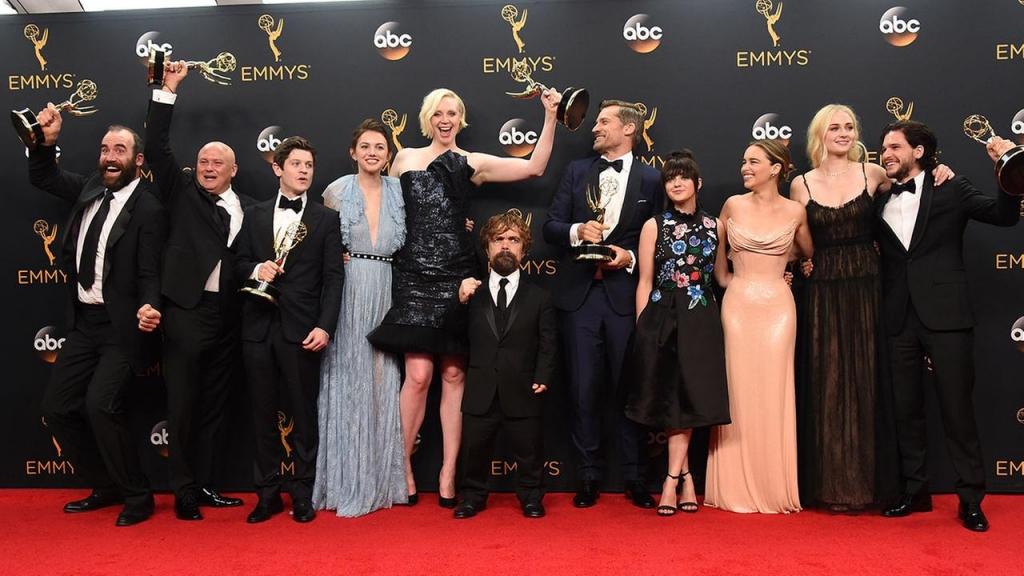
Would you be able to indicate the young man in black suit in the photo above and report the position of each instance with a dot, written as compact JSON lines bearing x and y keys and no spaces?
{"x":512,"y":335}
{"x":201,"y":320}
{"x":596,"y":303}
{"x":928,"y":310}
{"x":111,"y":255}
{"x":281,"y":343}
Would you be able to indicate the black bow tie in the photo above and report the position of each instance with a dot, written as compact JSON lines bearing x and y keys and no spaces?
{"x":294,"y":204}
{"x":907,"y":186}
{"x":604,"y":164}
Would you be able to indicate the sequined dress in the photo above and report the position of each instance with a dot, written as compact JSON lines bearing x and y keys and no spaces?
{"x":676,"y":368}
{"x":360,"y":464}
{"x":752,"y":462}
{"x":438,"y":254}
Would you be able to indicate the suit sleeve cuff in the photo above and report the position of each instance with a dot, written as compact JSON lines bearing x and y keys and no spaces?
{"x":574,"y":239}
{"x":164,"y":97}
{"x":632,"y":264}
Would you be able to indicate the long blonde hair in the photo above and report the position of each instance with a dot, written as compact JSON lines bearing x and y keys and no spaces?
{"x":816,"y":152}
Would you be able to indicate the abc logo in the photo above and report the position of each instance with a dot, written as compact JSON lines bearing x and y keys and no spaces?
{"x":1017,"y":333}
{"x":390,"y":42}
{"x":268,"y":140}
{"x":48,"y":343}
{"x":897,"y":28}
{"x":641,"y":36}
{"x":516,"y":138}
{"x":769,"y":127}
{"x":147,"y":41}
{"x":1018,"y":127}
{"x":159,"y":438}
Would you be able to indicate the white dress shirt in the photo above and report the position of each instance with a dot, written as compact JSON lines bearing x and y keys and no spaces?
{"x":94,"y":295}
{"x":229,"y":200}
{"x":900,"y":212}
{"x":510,"y":289}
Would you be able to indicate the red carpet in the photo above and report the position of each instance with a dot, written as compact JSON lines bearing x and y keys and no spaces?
{"x":611,"y":538}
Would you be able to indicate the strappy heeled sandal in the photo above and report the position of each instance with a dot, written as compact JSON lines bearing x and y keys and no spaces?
{"x":664,"y":509}
{"x":688,"y":507}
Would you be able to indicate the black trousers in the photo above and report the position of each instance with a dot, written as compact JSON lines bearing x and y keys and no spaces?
{"x":201,"y":355}
{"x":84,"y":407}
{"x":479,"y":433}
{"x":952,"y":356}
{"x":284,"y":382}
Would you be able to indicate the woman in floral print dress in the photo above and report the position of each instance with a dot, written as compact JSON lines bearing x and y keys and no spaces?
{"x":676,"y":371}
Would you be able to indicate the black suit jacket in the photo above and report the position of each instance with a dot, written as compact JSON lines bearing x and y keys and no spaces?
{"x":197,"y":238}
{"x":311,"y":285}
{"x":644,"y":197}
{"x":931,"y":272}
{"x":508,"y":364}
{"x":131,"y":263}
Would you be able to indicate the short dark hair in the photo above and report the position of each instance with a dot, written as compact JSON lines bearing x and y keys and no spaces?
{"x":509,"y":220}
{"x":917,"y":134}
{"x":680,"y":163}
{"x":284,"y":149}
{"x":139,"y":147}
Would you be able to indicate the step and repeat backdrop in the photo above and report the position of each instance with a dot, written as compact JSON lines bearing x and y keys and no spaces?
{"x":711,"y":76}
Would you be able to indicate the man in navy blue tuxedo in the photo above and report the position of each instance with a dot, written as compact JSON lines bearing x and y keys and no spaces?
{"x":597,"y":302}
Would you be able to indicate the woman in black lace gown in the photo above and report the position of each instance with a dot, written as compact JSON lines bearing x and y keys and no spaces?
{"x":677,"y":364}
{"x":426,"y":319}
{"x":846,"y":447}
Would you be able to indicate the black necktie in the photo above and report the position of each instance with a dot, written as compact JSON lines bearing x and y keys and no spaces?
{"x":907,"y":186}
{"x":604,"y":164}
{"x":294,"y":204}
{"x":502,"y":305}
{"x":90,"y":246}
{"x":222,"y":214}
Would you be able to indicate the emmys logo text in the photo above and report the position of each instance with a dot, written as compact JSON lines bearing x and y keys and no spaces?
{"x":1008,"y":261}
{"x":641,"y":35}
{"x":770,"y":127}
{"x":504,"y":468}
{"x":1009,"y":468}
{"x":38,"y":38}
{"x":503,"y":64}
{"x":897,"y":27}
{"x":391,"y":43}
{"x":516,"y":138}
{"x":775,"y":57}
{"x":277,"y":72}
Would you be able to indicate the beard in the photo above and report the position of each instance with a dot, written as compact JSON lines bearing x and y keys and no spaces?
{"x":901,"y":171}
{"x":504,"y":263}
{"x":128,"y":173}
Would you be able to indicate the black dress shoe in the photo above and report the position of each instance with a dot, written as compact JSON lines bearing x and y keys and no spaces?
{"x":973,"y":518}
{"x":134,"y":514}
{"x":637,"y":492}
{"x":908,"y":504}
{"x":212,"y":498}
{"x":468,"y":509}
{"x":186,"y":507}
{"x":533,"y":509}
{"x":587,"y":495}
{"x":302,"y":510}
{"x":94,"y":501}
{"x":265,"y":509}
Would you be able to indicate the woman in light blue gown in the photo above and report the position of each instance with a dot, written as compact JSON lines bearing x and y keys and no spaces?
{"x":361,"y":462}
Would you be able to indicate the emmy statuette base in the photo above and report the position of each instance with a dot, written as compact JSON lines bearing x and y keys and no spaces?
{"x":594,"y":253}
{"x":1010,"y":171}
{"x":260,"y":291}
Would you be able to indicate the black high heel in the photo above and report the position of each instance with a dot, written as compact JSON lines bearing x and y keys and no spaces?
{"x":448,"y":503}
{"x":688,"y":507}
{"x":664,"y":509}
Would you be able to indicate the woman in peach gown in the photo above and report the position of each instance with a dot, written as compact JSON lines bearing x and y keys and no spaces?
{"x":752,"y":462}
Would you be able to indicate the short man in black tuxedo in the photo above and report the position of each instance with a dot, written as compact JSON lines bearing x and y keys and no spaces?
{"x":281,"y":344}
{"x":111,"y":254}
{"x":201,"y":321}
{"x":512,"y":333}
{"x":597,"y":302}
{"x":928,"y":310}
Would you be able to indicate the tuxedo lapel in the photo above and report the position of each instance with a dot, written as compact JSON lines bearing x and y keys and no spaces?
{"x":212,"y":213}
{"x":312,"y":218}
{"x":119,"y":227}
{"x":75,"y":220}
{"x":514,"y":307}
{"x":488,"y":307}
{"x":923,"y":211}
{"x":884,"y":224}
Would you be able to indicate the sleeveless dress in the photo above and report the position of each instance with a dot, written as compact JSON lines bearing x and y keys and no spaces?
{"x":839,"y":368}
{"x":439,"y":252}
{"x":752,"y":462}
{"x":360,"y":465}
{"x":676,"y":368}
